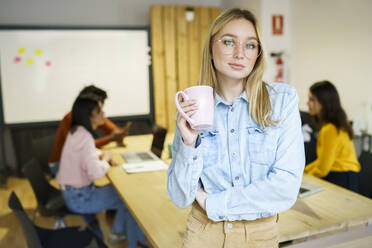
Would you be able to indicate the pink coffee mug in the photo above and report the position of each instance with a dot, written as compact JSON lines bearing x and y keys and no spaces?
{"x":203,"y":117}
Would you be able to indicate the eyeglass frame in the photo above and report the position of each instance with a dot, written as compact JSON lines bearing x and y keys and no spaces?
{"x":240,"y":43}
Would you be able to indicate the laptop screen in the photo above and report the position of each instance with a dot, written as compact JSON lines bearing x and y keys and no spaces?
{"x":157,"y":145}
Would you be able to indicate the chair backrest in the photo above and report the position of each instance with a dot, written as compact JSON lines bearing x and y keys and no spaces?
{"x":32,"y":238}
{"x":159,"y":134}
{"x":309,"y":128}
{"x":41,"y":149}
{"x":365,"y":175}
{"x":39,"y":184}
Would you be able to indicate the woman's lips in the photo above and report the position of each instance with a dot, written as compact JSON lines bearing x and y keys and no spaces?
{"x":236,"y":66}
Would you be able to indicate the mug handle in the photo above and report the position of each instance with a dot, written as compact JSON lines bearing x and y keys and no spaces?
{"x":189,"y":120}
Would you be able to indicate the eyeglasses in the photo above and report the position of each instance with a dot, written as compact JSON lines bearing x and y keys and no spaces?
{"x":251,"y":48}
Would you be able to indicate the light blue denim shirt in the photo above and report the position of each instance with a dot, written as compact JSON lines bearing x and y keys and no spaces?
{"x":248,"y":172}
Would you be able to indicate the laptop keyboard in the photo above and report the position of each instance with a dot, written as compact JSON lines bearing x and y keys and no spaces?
{"x":144,"y":156}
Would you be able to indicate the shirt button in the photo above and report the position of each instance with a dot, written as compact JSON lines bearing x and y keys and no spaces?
{"x":237,"y":178}
{"x":229,"y":225}
{"x":220,"y":217}
{"x":234,"y":153}
{"x":232,"y":130}
{"x":232,"y":109}
{"x":195,"y":158}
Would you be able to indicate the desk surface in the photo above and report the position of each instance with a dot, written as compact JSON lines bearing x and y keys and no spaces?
{"x":164,"y":224}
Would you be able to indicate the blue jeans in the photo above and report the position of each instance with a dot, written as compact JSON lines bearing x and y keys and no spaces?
{"x":92,"y":199}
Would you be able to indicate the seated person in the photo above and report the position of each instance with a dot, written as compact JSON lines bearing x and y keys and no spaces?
{"x":82,"y":162}
{"x":336,"y":160}
{"x":113,"y":133}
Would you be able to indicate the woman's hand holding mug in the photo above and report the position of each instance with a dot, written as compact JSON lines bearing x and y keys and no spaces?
{"x":195,"y":111}
{"x":188,"y":134}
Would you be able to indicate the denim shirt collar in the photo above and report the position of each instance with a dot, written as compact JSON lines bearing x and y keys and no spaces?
{"x":218,"y":99}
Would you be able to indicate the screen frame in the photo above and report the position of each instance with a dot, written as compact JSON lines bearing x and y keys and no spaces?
{"x":148,"y":117}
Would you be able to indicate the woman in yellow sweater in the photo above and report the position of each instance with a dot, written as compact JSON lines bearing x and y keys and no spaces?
{"x":336,"y":158}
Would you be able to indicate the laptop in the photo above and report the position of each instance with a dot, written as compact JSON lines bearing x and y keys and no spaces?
{"x":307,"y":189}
{"x":154,"y":154}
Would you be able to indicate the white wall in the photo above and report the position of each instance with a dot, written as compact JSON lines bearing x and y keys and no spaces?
{"x":85,"y":12}
{"x":252,"y":5}
{"x":332,"y":40}
{"x":276,"y":43}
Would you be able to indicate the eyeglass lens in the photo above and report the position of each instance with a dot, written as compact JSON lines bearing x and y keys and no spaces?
{"x":250,"y":47}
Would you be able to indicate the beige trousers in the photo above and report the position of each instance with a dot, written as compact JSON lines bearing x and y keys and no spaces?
{"x":203,"y":232}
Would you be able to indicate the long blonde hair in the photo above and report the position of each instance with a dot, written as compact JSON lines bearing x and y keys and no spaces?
{"x":260,"y":106}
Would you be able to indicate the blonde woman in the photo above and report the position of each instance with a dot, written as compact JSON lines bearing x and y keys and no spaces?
{"x":245,"y":169}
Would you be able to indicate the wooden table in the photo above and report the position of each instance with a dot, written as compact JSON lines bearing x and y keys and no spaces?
{"x":164,"y":224}
{"x":333,"y":209}
{"x":145,"y":195}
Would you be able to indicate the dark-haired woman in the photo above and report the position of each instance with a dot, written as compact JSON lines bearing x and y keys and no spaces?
{"x":336,"y":158}
{"x":81,"y":163}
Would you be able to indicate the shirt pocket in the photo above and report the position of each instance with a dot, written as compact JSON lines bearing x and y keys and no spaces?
{"x":211,"y":147}
{"x":262,"y":145}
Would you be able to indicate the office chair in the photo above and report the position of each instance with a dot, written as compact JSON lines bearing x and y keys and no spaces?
{"x":365,"y":175}
{"x":37,"y":237}
{"x":50,"y":202}
{"x":159,"y":134}
{"x":42,"y":148}
{"x":308,"y":123}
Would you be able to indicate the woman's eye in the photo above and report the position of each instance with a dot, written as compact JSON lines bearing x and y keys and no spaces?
{"x":228,"y":42}
{"x":251,"y":45}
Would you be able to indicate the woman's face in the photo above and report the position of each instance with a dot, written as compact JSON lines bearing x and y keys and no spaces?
{"x":235,"y":49}
{"x":97,"y":116}
{"x":314,"y":105}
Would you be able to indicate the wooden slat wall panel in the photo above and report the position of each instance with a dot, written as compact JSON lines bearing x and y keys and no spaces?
{"x":194,"y":50}
{"x":176,"y":49}
{"x":205,"y":17}
{"x":182,"y":48}
{"x":214,"y":13}
{"x":170,"y":62}
{"x":160,"y":104}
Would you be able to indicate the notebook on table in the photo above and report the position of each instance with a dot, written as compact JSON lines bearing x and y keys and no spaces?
{"x":147,"y":160}
{"x":145,"y":166}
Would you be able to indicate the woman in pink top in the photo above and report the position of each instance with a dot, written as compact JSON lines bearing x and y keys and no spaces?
{"x":81,"y":163}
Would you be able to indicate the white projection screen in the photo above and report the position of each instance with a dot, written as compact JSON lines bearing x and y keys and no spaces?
{"x":43,"y":70}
